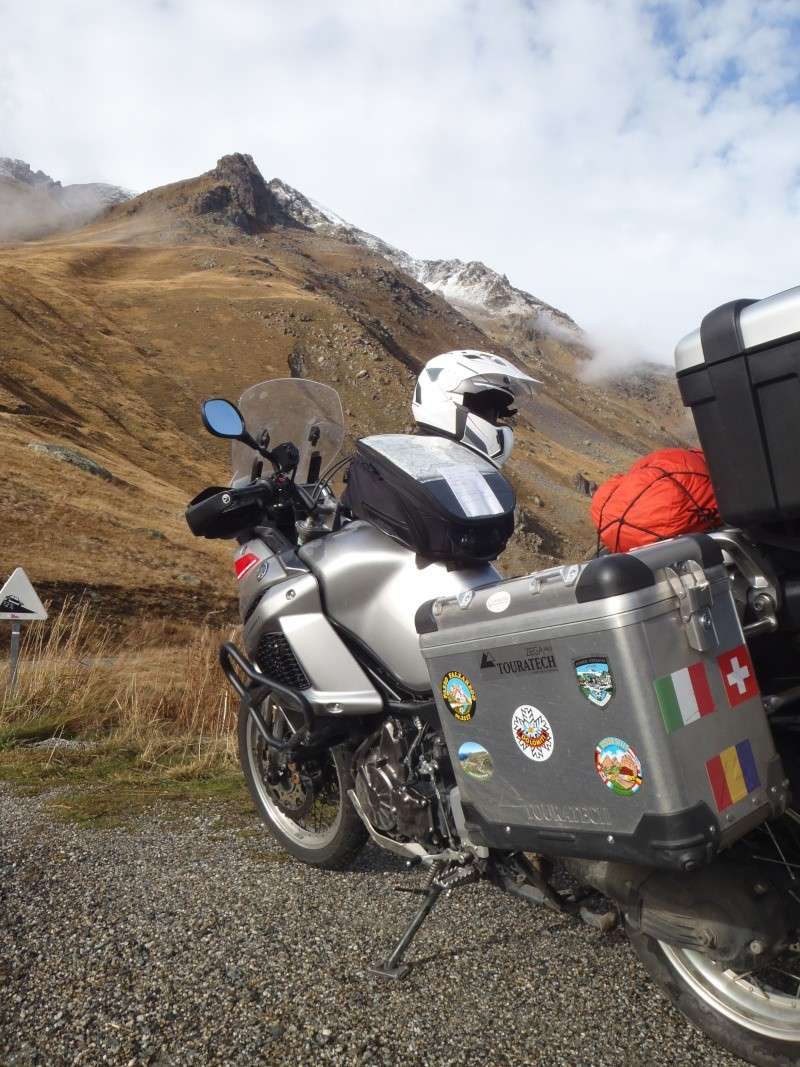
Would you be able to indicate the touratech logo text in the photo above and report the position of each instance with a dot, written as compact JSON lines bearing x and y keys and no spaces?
{"x":551,"y":813}
{"x":538,"y":658}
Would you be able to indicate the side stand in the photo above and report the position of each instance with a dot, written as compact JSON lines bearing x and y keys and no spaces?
{"x":393,"y":967}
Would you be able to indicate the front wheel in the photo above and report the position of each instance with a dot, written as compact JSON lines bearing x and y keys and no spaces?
{"x":755,"y":1015}
{"x":305,"y":805}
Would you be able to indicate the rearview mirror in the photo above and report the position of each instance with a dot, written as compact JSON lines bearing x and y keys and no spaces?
{"x":222,"y":418}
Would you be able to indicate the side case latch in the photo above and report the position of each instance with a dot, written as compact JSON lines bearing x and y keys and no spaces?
{"x":690,"y":585}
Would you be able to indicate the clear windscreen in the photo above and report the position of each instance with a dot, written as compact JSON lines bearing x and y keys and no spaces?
{"x":308,"y":414}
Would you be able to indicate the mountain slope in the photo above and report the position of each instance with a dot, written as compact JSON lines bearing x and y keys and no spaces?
{"x":112,"y":334}
{"x":472,"y":287}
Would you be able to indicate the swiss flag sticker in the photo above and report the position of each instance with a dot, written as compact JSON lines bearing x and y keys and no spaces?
{"x":738,"y":675}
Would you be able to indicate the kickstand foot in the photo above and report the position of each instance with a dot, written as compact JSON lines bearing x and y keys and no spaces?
{"x":383,"y":970}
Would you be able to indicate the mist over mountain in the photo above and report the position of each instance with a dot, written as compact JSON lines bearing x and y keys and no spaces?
{"x":32,"y":204}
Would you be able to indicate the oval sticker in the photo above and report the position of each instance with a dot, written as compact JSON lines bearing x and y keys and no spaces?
{"x":618,"y":766}
{"x":475,"y":761}
{"x":498,"y":601}
{"x":459,"y":695}
{"x":532,"y":733}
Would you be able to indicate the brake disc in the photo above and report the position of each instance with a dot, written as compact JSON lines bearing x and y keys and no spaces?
{"x":293,"y":793}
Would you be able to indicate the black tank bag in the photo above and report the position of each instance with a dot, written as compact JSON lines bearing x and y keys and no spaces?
{"x":435,"y":496}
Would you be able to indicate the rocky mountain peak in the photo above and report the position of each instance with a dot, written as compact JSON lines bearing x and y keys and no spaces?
{"x":298,"y":205}
{"x":472,"y":287}
{"x":476,"y":286}
{"x":241,"y":197}
{"x":19,"y":171}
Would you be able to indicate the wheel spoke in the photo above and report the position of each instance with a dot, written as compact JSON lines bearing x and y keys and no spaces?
{"x":783,"y":863}
{"x":779,"y":850}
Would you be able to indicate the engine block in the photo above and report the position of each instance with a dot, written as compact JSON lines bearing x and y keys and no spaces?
{"x":396,"y":802}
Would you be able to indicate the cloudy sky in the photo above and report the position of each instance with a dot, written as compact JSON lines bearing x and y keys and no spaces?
{"x":634,"y":163}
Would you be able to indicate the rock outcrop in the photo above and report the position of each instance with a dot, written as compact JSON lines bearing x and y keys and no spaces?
{"x":18,"y":170}
{"x":241,"y":197}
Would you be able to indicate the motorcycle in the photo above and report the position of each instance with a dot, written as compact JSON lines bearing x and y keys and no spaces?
{"x":613,"y":740}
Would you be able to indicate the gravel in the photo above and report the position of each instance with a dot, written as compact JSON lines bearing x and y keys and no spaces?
{"x":194,"y":941}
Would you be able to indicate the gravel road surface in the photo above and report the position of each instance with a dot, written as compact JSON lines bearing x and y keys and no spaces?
{"x":190,"y":941}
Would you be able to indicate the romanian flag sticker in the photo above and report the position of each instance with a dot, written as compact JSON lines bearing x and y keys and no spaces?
{"x":684,"y":696}
{"x":733,"y":774}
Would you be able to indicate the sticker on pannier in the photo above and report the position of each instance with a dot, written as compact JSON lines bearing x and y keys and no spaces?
{"x":459,"y":695}
{"x":733,"y":774}
{"x":533,"y":733}
{"x":476,"y":761}
{"x":684,"y":696}
{"x":595,"y":680}
{"x":618,"y":766}
{"x":738,"y":675}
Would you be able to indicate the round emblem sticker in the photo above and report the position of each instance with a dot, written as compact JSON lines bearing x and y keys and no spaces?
{"x":618,"y":766}
{"x":498,"y":601}
{"x":475,"y":761}
{"x":459,"y":695}
{"x":532,"y":732}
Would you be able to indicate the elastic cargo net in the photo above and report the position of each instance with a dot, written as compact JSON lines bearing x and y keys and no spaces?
{"x":664,"y":494}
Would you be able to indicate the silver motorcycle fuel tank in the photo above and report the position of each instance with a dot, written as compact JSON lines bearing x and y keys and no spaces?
{"x":287,"y":628}
{"x":372,"y":587}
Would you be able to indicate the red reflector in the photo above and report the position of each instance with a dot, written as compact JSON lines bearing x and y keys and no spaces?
{"x":244,"y":563}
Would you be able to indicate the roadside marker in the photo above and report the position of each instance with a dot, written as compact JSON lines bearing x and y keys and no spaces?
{"x":19,"y":603}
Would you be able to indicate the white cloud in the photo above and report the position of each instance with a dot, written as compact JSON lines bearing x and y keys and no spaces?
{"x":633,"y":163}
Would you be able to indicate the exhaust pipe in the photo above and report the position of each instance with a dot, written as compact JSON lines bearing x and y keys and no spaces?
{"x":727,"y":910}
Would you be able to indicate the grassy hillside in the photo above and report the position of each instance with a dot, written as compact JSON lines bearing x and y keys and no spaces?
{"x":111,"y":335}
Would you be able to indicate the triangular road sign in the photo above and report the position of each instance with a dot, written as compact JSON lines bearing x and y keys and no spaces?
{"x":18,"y":599}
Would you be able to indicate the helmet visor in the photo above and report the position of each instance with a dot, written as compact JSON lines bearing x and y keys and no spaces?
{"x":519,"y":385}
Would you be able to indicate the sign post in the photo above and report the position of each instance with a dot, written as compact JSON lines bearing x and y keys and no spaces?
{"x":18,"y":603}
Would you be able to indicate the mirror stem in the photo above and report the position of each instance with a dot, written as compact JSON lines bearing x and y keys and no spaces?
{"x":248,"y":439}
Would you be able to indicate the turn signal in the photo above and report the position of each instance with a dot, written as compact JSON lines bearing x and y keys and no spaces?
{"x":244,"y":563}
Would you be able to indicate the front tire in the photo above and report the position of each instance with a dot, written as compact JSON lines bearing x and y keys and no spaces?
{"x":740,"y":1013}
{"x":306,"y":809}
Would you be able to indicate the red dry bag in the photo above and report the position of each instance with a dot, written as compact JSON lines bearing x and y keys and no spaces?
{"x":665,"y":494}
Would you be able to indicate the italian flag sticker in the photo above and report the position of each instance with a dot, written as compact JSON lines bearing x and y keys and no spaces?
{"x":684,"y":696}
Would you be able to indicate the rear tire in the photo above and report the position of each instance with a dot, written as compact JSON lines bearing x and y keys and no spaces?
{"x":338,"y":842}
{"x":722,"y":1007}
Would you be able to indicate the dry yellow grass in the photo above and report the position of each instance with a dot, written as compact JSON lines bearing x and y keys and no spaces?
{"x":148,"y":691}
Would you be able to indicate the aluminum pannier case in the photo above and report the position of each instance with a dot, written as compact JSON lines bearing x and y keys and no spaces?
{"x":607,"y":710}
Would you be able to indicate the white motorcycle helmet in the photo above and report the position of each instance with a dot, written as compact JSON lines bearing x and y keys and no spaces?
{"x":463,"y":394}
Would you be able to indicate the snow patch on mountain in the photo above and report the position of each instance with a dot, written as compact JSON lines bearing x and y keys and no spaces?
{"x":471,"y":287}
{"x":475,"y":286}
